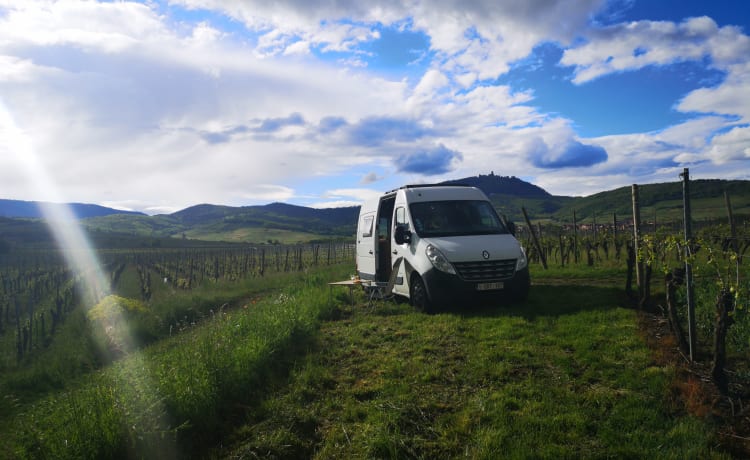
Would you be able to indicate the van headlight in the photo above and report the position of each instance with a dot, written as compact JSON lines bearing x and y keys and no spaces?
{"x":522,"y":262}
{"x":438,"y":260}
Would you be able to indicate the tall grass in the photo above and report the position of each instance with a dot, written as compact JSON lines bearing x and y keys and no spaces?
{"x":178,"y":394}
{"x":74,"y":350}
{"x":565,"y":375}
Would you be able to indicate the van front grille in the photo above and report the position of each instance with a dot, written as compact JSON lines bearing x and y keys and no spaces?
{"x":489,"y":270}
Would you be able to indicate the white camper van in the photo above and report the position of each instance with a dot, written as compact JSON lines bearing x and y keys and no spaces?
{"x":447,"y":244}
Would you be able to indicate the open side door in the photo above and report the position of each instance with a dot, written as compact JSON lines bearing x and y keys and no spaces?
{"x":383,"y":246}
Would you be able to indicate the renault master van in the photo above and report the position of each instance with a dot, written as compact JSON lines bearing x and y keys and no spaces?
{"x":447,"y":243}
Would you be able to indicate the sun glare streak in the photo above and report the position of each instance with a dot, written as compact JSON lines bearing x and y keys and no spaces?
{"x":71,"y":240}
{"x":68,"y":235}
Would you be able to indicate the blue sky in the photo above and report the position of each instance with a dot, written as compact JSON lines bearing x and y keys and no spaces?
{"x":159,"y":105}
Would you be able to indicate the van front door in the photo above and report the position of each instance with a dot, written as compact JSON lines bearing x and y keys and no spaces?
{"x":400,"y":250}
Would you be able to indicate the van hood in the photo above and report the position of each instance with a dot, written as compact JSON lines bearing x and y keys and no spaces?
{"x":471,"y":248}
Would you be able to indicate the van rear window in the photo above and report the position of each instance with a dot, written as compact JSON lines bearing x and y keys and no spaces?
{"x":367,"y":226}
{"x":455,"y":218}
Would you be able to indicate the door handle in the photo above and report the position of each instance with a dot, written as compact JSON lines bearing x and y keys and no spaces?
{"x":370,"y":251}
{"x":395,"y":252}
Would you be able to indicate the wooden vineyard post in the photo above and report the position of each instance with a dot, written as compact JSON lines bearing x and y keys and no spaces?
{"x":688,"y":266}
{"x":575,"y":238}
{"x":733,"y":234}
{"x":636,"y":239}
{"x":732,"y":227}
{"x":596,"y":234}
{"x":534,"y":238}
{"x":614,"y":235}
{"x":724,"y":309}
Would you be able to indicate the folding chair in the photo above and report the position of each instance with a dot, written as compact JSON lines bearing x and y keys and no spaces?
{"x":384,"y":291}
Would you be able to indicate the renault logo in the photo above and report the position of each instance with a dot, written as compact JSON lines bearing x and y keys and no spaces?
{"x":486,"y":255}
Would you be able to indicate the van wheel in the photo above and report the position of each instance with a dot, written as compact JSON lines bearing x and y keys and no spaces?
{"x":519,"y":294}
{"x":520,"y":290}
{"x":418,"y":295}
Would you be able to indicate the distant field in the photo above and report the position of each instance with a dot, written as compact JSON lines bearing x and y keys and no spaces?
{"x":701,"y":208}
{"x":254,"y":235}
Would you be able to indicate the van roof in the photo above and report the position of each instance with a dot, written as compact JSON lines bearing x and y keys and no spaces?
{"x":441,"y":193}
{"x":426,"y":185}
{"x":427,"y":192}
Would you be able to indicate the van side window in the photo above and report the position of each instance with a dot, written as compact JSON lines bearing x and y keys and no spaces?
{"x":367,"y":226}
{"x":401,"y":217}
{"x":383,"y":228}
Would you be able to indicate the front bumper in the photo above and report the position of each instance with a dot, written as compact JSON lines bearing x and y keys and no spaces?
{"x":445,"y":289}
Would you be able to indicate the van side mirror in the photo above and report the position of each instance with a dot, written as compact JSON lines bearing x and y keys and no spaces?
{"x":403,"y":235}
{"x":509,"y":224}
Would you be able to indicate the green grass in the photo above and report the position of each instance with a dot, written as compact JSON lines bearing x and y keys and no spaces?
{"x":182,"y":393}
{"x":76,"y":348}
{"x":564,"y":376}
{"x":294,"y":375}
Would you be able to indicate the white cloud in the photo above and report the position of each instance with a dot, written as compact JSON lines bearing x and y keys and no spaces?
{"x":129,"y":103}
{"x":109,"y":27}
{"x":484,"y":107}
{"x":334,"y":204}
{"x":732,"y":97}
{"x":130,"y":120}
{"x":483,"y":36}
{"x":13,"y":69}
{"x":427,"y":90}
{"x":635,"y":45}
{"x":300,"y":47}
{"x":204,"y":34}
{"x":357,"y":195}
{"x":734,"y":145}
{"x":266,"y":192}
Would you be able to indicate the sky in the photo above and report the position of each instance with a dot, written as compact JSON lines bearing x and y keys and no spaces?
{"x":155,"y":106}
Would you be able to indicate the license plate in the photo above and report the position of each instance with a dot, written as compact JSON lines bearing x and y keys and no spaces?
{"x":489,"y":286}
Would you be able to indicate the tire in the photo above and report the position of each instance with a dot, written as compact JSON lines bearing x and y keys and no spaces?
{"x":520,"y":290}
{"x":418,"y":295}
{"x":520,"y":294}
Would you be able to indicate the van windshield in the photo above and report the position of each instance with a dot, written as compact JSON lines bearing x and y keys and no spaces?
{"x":455,"y":218}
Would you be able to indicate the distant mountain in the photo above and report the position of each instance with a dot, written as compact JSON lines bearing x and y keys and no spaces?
{"x":275,"y":222}
{"x":286,"y":223}
{"x":203,"y":212}
{"x":329,"y":222}
{"x":31,"y":209}
{"x":663,"y":201}
{"x":502,"y":185}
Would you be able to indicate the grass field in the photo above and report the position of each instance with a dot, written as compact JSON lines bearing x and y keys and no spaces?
{"x":301,"y":373}
{"x":566,"y":375}
{"x":254,"y":234}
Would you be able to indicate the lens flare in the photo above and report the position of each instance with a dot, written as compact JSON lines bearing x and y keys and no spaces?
{"x":68,"y":234}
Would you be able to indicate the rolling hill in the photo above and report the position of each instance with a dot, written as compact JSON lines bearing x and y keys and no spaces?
{"x":275,"y":222}
{"x":491,"y":184}
{"x":33,"y":209}
{"x":659,"y":202}
{"x":286,"y":223}
{"x":662,"y":202}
